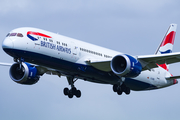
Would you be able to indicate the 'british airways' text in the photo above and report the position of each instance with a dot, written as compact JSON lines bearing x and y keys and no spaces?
{"x":55,"y":47}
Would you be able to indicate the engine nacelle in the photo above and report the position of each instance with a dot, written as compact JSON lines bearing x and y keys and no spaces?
{"x":26,"y":74}
{"x":126,"y":66}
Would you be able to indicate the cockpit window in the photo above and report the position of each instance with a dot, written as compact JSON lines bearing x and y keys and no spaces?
{"x":20,"y":35}
{"x":14,"y":34}
{"x":7,"y":34}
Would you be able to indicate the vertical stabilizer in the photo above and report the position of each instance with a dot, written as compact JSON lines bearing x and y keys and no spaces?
{"x":167,"y":43}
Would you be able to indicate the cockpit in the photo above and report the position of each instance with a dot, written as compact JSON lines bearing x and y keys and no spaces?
{"x":14,"y":34}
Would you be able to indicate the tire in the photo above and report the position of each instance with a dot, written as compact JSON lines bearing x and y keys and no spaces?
{"x":74,"y":90}
{"x":115,"y":88}
{"x":70,"y":95}
{"x":123,"y":88}
{"x":78,"y":94}
{"x":119,"y":92}
{"x":127,"y":91}
{"x":66,"y":91}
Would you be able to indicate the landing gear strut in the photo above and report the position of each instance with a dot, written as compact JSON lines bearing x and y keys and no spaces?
{"x":121,"y":88}
{"x":73,"y":91}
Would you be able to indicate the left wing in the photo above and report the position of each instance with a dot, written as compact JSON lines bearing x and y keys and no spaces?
{"x":151,"y":61}
{"x":147,"y":61}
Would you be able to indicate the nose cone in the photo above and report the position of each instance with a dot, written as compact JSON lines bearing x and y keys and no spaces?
{"x":7,"y":43}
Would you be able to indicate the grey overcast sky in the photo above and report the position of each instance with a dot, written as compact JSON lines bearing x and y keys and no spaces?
{"x":134,"y":27}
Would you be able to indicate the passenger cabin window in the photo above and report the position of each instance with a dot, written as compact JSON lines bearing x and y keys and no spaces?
{"x":90,"y":51}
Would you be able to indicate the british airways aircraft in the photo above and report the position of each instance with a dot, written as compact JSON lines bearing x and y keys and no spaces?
{"x":36,"y":52}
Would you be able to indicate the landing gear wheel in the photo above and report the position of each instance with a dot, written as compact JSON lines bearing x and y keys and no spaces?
{"x":74,"y":90}
{"x":121,"y":88}
{"x":127,"y":91}
{"x":78,"y":94}
{"x":119,"y":92}
{"x":115,"y":88}
{"x":70,"y":95}
{"x":66,"y":91}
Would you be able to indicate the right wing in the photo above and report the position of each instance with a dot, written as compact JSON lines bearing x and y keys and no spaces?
{"x":6,"y":64}
{"x":40,"y":69}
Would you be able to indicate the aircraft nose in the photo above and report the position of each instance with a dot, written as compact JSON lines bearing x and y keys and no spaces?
{"x":7,"y":43}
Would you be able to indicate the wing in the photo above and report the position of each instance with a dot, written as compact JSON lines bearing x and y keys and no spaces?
{"x":40,"y":69}
{"x":6,"y":64}
{"x":100,"y":64}
{"x":147,"y":61}
{"x":151,"y":61}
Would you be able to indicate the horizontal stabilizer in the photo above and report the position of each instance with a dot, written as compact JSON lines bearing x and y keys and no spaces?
{"x":173,"y":77}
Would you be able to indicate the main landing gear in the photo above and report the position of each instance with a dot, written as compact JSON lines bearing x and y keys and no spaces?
{"x":73,"y":91}
{"x":121,"y":88}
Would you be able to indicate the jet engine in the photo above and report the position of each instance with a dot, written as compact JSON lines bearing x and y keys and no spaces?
{"x":126,"y":66}
{"x":24,"y":73}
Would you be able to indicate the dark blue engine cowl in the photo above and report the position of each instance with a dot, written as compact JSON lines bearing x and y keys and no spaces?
{"x":126,"y":66}
{"x":26,"y":74}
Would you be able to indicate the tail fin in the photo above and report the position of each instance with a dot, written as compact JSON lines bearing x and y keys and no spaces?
{"x":167,"y":43}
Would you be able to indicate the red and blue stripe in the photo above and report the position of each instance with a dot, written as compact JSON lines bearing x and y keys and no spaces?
{"x":30,"y":33}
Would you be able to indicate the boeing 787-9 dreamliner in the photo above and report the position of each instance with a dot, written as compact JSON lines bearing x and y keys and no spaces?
{"x":36,"y":52}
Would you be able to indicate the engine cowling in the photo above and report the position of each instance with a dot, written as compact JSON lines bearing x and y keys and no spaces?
{"x":26,"y":74}
{"x":126,"y":66}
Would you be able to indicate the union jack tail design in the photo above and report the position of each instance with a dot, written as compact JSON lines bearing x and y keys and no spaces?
{"x":167,"y":43}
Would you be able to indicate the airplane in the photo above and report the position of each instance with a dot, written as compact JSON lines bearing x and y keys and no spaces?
{"x":36,"y":52}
